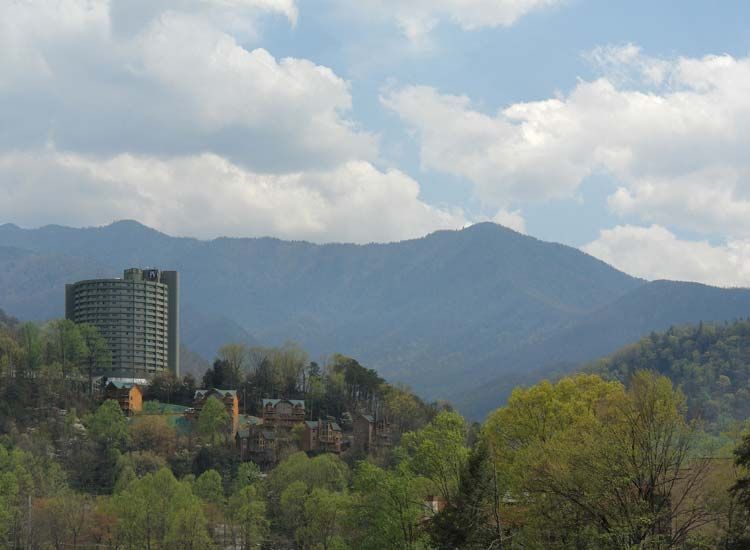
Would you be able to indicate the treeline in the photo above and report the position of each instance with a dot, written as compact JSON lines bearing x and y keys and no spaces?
{"x":710,"y":363}
{"x":581,"y":463}
{"x":586,"y":462}
{"x":49,"y":366}
{"x":341,"y":385}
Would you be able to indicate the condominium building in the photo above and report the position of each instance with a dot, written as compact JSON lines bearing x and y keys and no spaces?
{"x":138,"y":315}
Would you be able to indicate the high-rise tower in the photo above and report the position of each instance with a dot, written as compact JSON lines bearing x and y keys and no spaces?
{"x":138,"y":315}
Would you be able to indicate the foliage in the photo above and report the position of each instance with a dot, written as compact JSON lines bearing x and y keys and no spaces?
{"x":157,"y":511}
{"x":389,"y":507}
{"x":710,"y":363}
{"x":438,"y":452}
{"x":153,"y":433}
{"x":597,"y":462}
{"x":213,"y":419}
{"x":248,"y":511}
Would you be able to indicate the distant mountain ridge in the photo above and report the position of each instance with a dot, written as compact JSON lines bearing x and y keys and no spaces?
{"x":447,"y":313}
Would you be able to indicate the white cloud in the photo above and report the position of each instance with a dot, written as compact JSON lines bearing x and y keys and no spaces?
{"x":416,"y":18}
{"x":179,"y":83}
{"x":673,"y":133}
{"x":513,"y":220}
{"x":656,"y":253}
{"x":208,"y":196}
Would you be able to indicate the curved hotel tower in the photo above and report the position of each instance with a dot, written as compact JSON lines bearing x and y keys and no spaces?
{"x":138,"y":315}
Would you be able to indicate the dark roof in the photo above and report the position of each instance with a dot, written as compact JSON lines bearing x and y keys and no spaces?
{"x":275,"y":402}
{"x":368,"y":417}
{"x":224,"y":393}
{"x":313,"y":424}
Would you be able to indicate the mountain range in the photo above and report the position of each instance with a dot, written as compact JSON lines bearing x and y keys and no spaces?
{"x":460,"y":315}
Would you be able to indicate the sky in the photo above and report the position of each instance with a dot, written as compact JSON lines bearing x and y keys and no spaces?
{"x":620,"y":127}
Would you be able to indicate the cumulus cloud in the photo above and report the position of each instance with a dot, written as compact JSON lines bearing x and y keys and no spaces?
{"x":178,"y":84}
{"x":656,"y":253}
{"x":157,"y":110}
{"x":512,"y":219}
{"x":209,"y":196}
{"x":673,"y":133}
{"x":416,"y":18}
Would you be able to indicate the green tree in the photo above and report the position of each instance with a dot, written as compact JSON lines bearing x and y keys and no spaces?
{"x":96,"y":353}
{"x":157,"y":511}
{"x":108,"y":426}
{"x":388,"y":509}
{"x":325,"y":471}
{"x":67,"y":345}
{"x":293,"y":506}
{"x":213,"y":420}
{"x":208,"y":487}
{"x":474,"y":518}
{"x":596,"y":464}
{"x":324,"y":520}
{"x":248,"y":511}
{"x":248,"y":473}
{"x":187,"y":526}
{"x":439,"y":452}
{"x":235,"y":356}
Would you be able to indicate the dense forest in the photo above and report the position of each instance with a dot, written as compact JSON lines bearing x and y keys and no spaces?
{"x":710,"y":363}
{"x":613,"y":459}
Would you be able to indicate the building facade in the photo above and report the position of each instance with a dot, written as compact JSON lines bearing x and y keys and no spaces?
{"x":321,"y":436}
{"x":370,"y":434}
{"x":257,"y":444}
{"x":137,"y":315}
{"x":127,"y":394}
{"x":283,"y":413}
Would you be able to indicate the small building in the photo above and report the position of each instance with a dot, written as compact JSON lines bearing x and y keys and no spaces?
{"x":370,"y":434}
{"x":321,"y":436}
{"x":228,"y":397}
{"x":127,"y":394}
{"x":258,"y":444}
{"x":283,"y":413}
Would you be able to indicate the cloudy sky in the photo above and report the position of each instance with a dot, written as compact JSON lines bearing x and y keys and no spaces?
{"x":620,"y":127}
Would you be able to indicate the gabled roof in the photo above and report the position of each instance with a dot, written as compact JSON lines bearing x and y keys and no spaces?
{"x":275,"y":402}
{"x":223,"y":393}
{"x":368,"y":417}
{"x":314,"y":424}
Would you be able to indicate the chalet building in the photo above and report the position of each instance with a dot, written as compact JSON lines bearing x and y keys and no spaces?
{"x":127,"y":394}
{"x":283,"y":413}
{"x":257,"y":443}
{"x":321,"y":436}
{"x":370,"y":434}
{"x":228,"y":397}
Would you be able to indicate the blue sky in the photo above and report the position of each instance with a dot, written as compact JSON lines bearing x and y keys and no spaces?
{"x":617,"y":127}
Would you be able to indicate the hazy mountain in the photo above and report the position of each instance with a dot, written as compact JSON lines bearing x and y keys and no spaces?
{"x":446,"y":313}
{"x":650,"y":307}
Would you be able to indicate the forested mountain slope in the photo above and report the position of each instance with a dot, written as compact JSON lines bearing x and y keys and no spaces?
{"x":445,"y":313}
{"x":651,"y":307}
{"x":709,"y":362}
